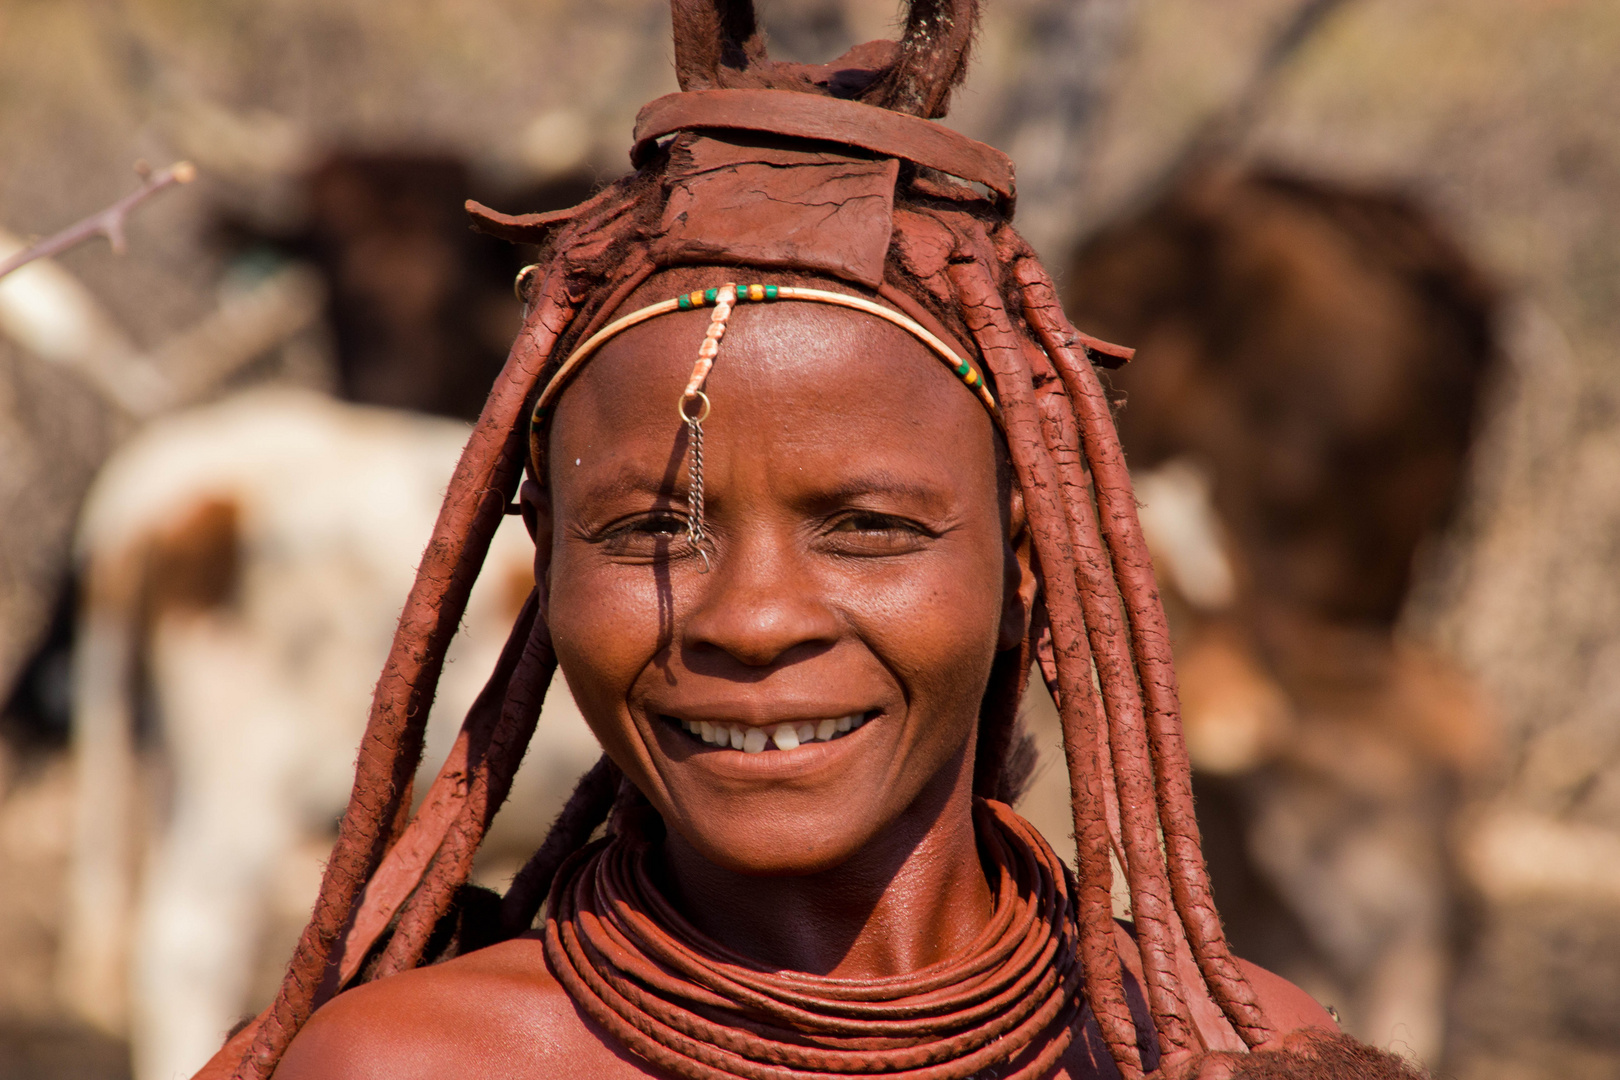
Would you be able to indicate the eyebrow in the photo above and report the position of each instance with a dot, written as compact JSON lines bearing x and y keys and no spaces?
{"x":633,"y":481}
{"x":881,"y":482}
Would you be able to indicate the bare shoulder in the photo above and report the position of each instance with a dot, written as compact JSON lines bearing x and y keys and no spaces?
{"x":497,"y":1011}
{"x":1287,"y":1006}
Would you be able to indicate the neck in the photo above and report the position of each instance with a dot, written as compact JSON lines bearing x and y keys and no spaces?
{"x":914,"y":895}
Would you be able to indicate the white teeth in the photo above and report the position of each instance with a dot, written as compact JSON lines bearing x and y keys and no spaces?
{"x":752,"y":740}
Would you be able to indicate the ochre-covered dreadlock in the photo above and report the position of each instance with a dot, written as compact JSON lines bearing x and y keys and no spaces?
{"x":945,"y":255}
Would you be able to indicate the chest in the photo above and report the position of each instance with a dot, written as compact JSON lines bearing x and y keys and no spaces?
{"x":559,"y":1046}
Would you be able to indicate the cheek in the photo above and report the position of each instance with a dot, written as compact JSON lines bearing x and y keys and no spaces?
{"x":937,"y":630}
{"x":605,"y":624}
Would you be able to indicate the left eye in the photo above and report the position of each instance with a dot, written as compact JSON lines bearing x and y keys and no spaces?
{"x":870,"y":522}
{"x":868,"y":533}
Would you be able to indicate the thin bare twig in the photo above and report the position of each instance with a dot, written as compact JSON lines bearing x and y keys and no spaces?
{"x":108,"y":222}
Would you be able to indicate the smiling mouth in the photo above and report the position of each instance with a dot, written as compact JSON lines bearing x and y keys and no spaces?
{"x":756,"y":740}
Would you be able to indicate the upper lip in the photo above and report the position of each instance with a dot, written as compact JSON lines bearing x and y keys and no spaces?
{"x":757,"y":715}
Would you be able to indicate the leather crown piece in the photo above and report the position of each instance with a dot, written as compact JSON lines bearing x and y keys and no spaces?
{"x":779,"y":178}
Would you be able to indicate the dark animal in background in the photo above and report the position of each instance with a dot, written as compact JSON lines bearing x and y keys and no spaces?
{"x":1322,"y":348}
{"x":421,"y":307}
{"x":1299,"y":415}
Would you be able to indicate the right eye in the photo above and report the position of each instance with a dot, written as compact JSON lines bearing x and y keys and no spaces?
{"x":646,"y":536}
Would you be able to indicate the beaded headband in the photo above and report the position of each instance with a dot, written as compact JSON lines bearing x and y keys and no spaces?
{"x":965,"y":371}
{"x":693,"y":405}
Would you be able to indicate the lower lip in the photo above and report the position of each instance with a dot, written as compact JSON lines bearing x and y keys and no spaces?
{"x":772,"y":764}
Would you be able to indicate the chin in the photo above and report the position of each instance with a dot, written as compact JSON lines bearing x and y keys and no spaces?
{"x":774,"y":841}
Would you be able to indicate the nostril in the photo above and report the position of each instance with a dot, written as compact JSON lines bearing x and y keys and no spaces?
{"x":758,"y":635}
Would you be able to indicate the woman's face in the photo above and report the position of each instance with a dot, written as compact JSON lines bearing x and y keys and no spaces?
{"x":864,"y":570}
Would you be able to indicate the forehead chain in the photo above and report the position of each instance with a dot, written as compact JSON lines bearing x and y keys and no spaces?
{"x":693,"y":405}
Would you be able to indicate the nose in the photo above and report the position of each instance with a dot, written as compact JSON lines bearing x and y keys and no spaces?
{"x":758,"y":606}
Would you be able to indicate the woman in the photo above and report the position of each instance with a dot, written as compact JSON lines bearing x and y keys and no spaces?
{"x":816,"y":471}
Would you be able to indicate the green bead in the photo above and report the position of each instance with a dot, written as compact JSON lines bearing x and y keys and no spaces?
{"x":710,"y":295}
{"x":770,"y":292}
{"x":685,"y":302}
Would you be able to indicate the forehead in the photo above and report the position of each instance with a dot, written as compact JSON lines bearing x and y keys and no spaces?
{"x":792,"y":378}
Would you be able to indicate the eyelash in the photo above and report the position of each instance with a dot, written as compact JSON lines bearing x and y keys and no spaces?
{"x":869,"y":534}
{"x":657,"y":523}
{"x":656,"y":526}
{"x":878,"y":523}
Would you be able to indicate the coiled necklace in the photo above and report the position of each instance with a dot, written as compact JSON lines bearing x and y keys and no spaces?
{"x":695,"y":1008}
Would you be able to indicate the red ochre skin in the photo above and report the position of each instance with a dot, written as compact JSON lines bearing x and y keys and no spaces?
{"x":867,"y":557}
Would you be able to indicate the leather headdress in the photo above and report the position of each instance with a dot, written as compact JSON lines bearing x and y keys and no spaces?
{"x":774,"y":178}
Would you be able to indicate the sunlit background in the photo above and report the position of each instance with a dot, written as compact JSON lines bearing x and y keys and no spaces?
{"x":1369,"y":251}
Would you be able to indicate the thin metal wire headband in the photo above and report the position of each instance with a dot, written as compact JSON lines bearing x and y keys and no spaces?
{"x":693,"y":405}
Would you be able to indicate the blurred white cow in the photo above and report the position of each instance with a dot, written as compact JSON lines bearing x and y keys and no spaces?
{"x":244,"y":565}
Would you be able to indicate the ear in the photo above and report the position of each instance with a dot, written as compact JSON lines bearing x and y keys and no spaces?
{"x":1018,"y":590}
{"x":535,"y":502}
